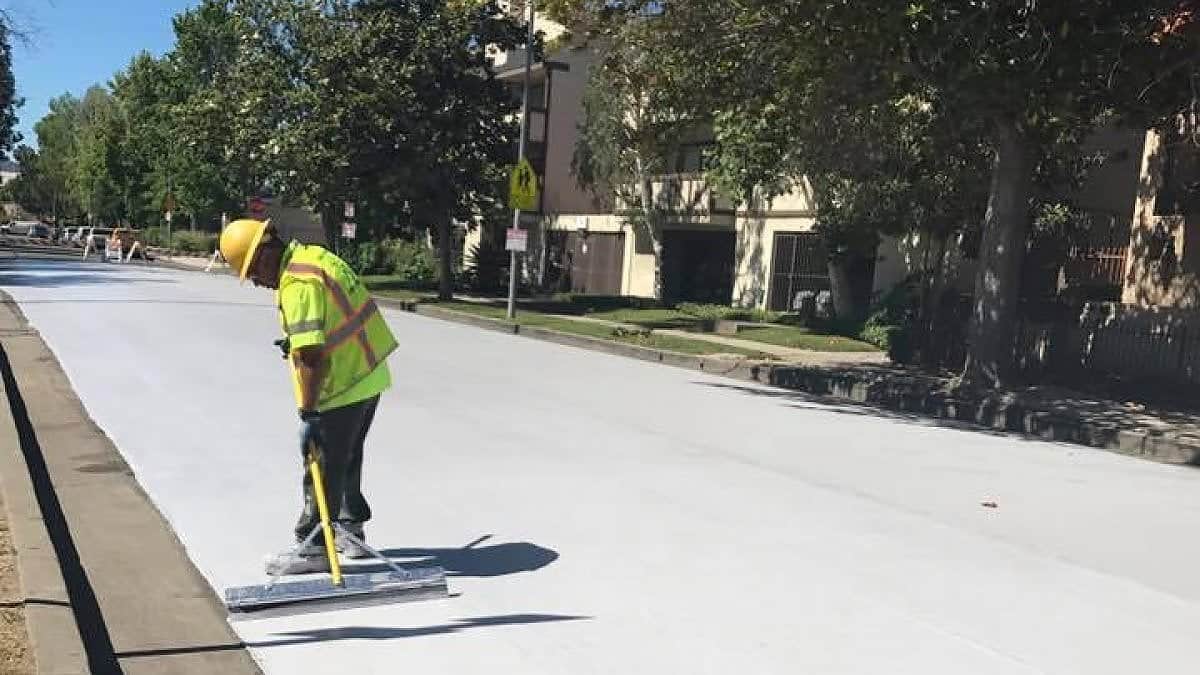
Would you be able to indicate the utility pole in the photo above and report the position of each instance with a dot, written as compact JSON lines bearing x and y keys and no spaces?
{"x":512,"y":260}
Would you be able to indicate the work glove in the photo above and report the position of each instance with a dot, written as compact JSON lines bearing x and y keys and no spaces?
{"x":311,"y":431}
{"x":285,"y":346}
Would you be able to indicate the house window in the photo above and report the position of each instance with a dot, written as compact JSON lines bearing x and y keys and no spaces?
{"x":692,"y":158}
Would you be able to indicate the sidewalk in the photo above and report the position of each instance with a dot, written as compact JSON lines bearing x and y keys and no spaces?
{"x":788,"y":355}
{"x":107,"y":585}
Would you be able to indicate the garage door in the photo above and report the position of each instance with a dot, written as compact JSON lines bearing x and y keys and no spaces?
{"x":595,"y":261}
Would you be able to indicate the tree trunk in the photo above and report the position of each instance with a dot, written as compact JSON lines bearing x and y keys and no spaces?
{"x":992,"y":330}
{"x":934,"y":285}
{"x":840,"y":287}
{"x":653,"y":227}
{"x":445,"y":252}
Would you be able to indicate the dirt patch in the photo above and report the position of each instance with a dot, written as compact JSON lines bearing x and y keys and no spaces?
{"x":15,"y":656}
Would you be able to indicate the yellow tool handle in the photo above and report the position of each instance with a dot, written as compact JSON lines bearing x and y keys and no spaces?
{"x":314,"y":468}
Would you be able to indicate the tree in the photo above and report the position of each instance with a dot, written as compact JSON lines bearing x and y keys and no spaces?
{"x":380,"y":103}
{"x":633,"y":121}
{"x":30,"y":188}
{"x":96,"y":163}
{"x":213,"y":166}
{"x":1022,"y":79}
{"x":57,"y":153}
{"x":9,"y":101}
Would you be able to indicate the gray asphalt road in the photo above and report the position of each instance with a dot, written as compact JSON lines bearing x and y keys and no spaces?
{"x":602,"y":515}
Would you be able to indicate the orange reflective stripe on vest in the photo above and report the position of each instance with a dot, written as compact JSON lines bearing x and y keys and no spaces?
{"x":354,"y":323}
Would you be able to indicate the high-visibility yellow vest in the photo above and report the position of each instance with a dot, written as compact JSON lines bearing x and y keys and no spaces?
{"x":323,"y":302}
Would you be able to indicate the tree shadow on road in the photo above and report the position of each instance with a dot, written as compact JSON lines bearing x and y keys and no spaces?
{"x":1101,"y":419}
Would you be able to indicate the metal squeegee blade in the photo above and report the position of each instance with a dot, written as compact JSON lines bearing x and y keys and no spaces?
{"x":317,"y":595}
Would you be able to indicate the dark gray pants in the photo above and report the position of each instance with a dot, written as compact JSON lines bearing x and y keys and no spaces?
{"x":345,"y":430}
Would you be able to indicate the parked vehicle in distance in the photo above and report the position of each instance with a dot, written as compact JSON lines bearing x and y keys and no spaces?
{"x":22,"y":227}
{"x":39,"y":231}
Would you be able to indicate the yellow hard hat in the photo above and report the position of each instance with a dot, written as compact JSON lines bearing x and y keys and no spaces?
{"x":239,"y":243}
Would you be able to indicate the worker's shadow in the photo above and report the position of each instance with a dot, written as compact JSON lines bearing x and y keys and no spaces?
{"x":472,"y":560}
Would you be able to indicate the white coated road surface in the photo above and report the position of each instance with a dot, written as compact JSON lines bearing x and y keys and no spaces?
{"x":639,"y":518}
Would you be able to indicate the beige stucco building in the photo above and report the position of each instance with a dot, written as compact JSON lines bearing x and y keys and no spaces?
{"x":1145,"y":238}
{"x":712,"y":250}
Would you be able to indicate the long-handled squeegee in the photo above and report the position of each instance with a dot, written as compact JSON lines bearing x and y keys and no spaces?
{"x":339,"y":591}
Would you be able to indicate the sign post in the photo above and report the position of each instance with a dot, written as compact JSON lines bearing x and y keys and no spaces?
{"x":169,"y":208}
{"x":349,"y":227}
{"x":516,"y":240}
{"x":523,"y":182}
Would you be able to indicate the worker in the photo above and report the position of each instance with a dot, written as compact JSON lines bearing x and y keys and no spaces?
{"x":337,"y":343}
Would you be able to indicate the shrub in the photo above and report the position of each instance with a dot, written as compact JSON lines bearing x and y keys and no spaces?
{"x":488,"y":271}
{"x":719,"y":312}
{"x":601,"y":303}
{"x":194,"y":242}
{"x":186,"y":241}
{"x":362,"y":257}
{"x":412,"y":262}
{"x":891,"y":324}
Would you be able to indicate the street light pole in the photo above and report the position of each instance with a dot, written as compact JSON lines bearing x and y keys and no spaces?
{"x":512,"y":260}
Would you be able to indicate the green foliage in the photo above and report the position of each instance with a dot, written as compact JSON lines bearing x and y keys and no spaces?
{"x":394,"y":106}
{"x":892,"y":323}
{"x":702,"y":312}
{"x":487,"y":272}
{"x":185,"y":241}
{"x":633,"y":121}
{"x":404,"y":261}
{"x":9,"y":101}
{"x":194,"y":242}
{"x":587,"y":303}
{"x":722,"y":312}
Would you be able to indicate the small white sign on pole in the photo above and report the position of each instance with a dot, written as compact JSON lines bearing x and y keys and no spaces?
{"x":349,"y":230}
{"x":516,"y":239}
{"x":348,"y":210}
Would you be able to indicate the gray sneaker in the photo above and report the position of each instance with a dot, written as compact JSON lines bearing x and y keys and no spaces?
{"x":305,"y":561}
{"x":349,"y":548}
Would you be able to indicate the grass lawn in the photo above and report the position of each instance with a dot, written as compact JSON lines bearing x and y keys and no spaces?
{"x":541,"y":314}
{"x":597,"y":330}
{"x":803,"y":338}
{"x":393,"y":287}
{"x":649,"y":318}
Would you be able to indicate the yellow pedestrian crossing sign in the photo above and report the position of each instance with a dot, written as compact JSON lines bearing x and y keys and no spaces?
{"x":523,"y":187}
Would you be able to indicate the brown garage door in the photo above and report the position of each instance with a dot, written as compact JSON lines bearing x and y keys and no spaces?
{"x":595,"y":261}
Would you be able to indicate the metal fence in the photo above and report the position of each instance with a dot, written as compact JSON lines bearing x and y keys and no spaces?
{"x":1113,"y":339}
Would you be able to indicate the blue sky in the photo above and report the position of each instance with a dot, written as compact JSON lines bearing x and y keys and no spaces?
{"x":74,"y":44}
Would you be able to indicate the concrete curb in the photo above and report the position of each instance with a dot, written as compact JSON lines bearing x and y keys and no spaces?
{"x":49,"y":619}
{"x":918,"y":396}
